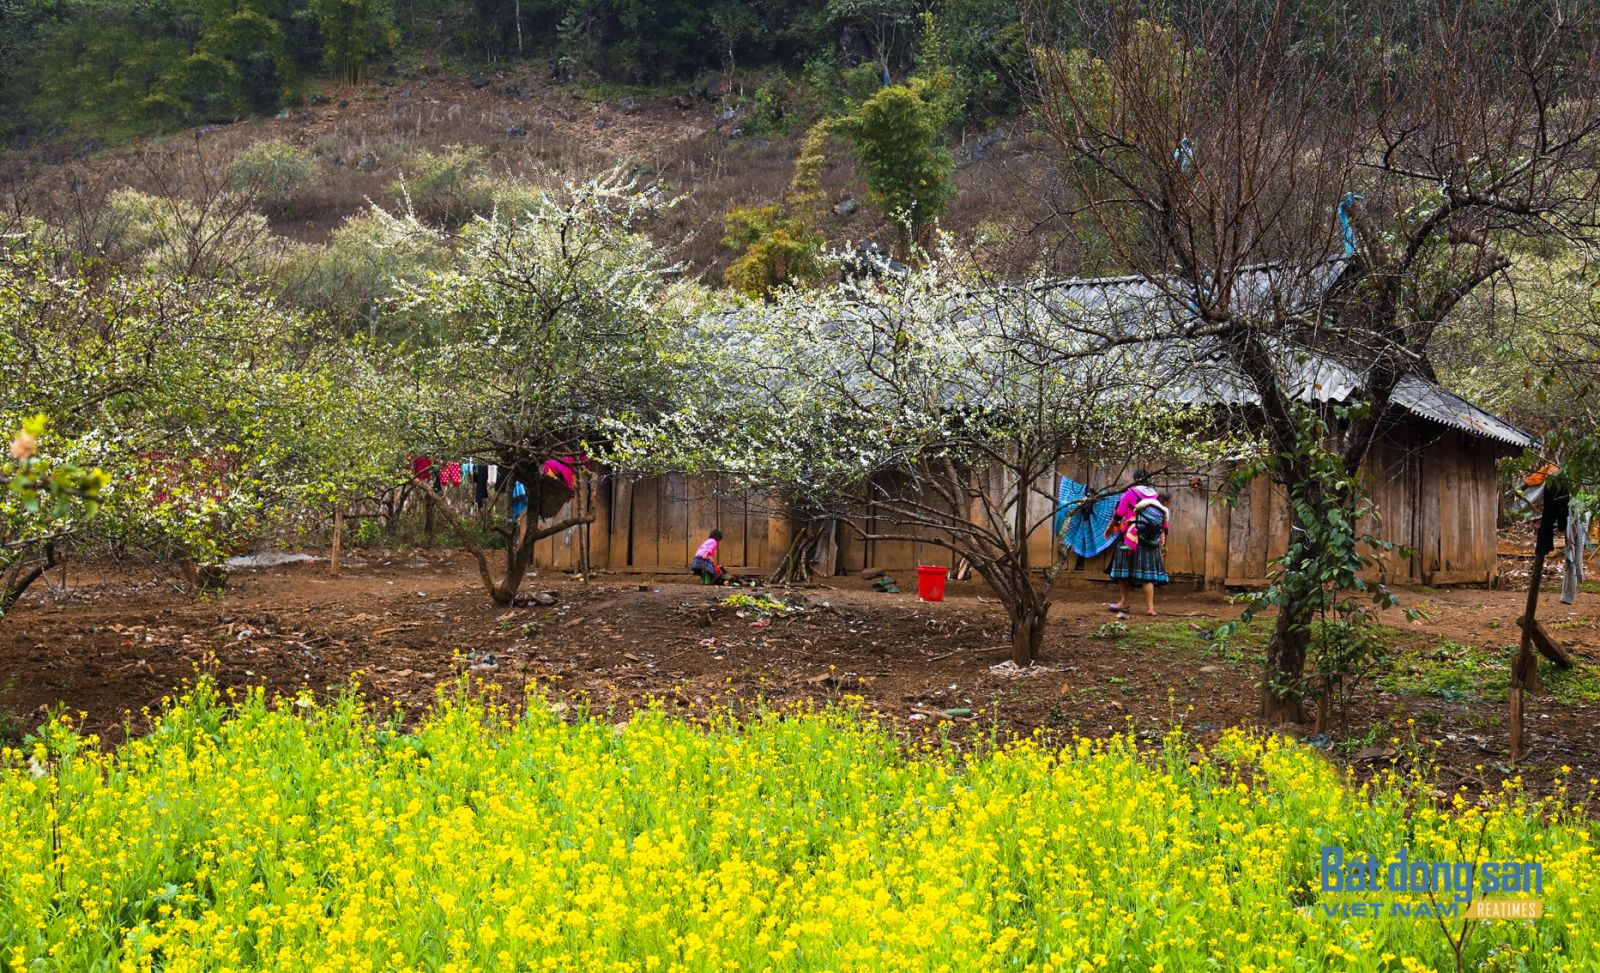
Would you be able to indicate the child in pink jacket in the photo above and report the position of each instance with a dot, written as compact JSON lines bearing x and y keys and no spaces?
{"x":705,"y":559}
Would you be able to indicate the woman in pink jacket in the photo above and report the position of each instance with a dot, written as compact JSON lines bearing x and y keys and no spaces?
{"x":1140,"y":527}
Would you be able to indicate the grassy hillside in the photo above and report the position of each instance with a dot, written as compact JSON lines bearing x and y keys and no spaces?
{"x":729,"y":149}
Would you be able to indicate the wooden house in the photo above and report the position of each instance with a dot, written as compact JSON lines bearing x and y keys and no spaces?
{"x":1433,"y":478}
{"x":1435,"y":486}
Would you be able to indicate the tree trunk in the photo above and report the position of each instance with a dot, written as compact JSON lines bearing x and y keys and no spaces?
{"x":204,"y":577}
{"x":1325,"y":702}
{"x":519,"y":549}
{"x":795,"y":568}
{"x":19,"y":578}
{"x":338,"y":539}
{"x":519,"y":554}
{"x":1027,"y":633}
{"x":1525,"y":665}
{"x":1282,"y":695}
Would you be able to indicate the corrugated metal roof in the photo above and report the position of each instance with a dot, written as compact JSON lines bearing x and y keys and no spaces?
{"x":1324,"y":379}
{"x":1314,"y":376}
{"x":1203,"y":374}
{"x":1423,"y":398}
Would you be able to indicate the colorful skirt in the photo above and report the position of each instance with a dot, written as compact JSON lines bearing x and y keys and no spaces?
{"x":1142,"y":564}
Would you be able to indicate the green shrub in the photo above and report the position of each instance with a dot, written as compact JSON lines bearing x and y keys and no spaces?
{"x":841,"y":90}
{"x":776,"y":251}
{"x":206,"y":85}
{"x":275,"y":173}
{"x":177,"y":236}
{"x":768,"y":112}
{"x":367,"y":532}
{"x":898,"y":136}
{"x":445,"y":186}
{"x":352,"y":277}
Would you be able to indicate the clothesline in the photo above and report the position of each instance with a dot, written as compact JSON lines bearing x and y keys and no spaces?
{"x":483,"y":476}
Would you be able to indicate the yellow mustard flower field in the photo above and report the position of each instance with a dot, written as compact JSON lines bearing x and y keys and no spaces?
{"x":289,"y":835}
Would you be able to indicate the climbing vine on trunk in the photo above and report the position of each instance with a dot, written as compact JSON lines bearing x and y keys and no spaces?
{"x":1322,"y":645}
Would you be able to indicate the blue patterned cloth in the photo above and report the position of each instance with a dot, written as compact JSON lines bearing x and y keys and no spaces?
{"x":1082,"y":526}
{"x":519,"y":500}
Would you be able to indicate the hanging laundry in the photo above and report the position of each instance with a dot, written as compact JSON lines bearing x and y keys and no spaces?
{"x":1554,"y":520}
{"x":562,"y":469}
{"x":558,"y":483}
{"x":519,"y":501}
{"x":1533,"y":483}
{"x":480,"y":484}
{"x":1348,"y":229}
{"x":566,"y":469}
{"x":494,"y":474}
{"x":1183,"y":155}
{"x":421,"y":468}
{"x":1081,"y":523}
{"x":1577,"y":544}
{"x":450,"y":475}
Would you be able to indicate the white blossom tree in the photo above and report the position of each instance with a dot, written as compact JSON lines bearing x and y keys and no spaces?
{"x":559,"y":319}
{"x":942,"y":404}
{"x":214,"y":414}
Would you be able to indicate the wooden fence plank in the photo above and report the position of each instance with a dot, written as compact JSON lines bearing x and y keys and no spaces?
{"x":597,"y":496}
{"x":1191,"y":507}
{"x":702,"y":513}
{"x":675,"y":546}
{"x":646,"y":522}
{"x":730,"y":517}
{"x":756,"y":553}
{"x":1219,"y":521}
{"x":621,"y":503}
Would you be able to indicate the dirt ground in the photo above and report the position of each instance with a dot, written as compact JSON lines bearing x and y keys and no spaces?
{"x":114,"y":642}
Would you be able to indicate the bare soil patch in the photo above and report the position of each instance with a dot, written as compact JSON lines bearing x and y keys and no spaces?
{"x":112,"y":644}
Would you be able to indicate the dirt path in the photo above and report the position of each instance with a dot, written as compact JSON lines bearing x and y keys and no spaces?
{"x":112,"y":645}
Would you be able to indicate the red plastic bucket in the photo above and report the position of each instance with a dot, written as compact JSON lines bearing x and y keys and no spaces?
{"x":930,"y":582}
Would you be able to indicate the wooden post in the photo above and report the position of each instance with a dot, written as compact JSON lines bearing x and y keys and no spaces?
{"x":338,"y":538}
{"x":780,"y":531}
{"x":584,"y":507}
{"x":1547,"y":644}
{"x":1525,"y":668}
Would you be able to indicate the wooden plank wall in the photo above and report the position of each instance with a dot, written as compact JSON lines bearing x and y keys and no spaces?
{"x":1436,"y":490}
{"x":653,"y":525}
{"x":1457,"y":512}
{"x":1392,"y":479}
{"x":564,"y":551}
{"x":1258,"y":531}
{"x":1190,"y":505}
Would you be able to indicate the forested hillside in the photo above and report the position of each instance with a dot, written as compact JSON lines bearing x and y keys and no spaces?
{"x":744,"y":111}
{"x":280,"y":136}
{"x":150,"y":63}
